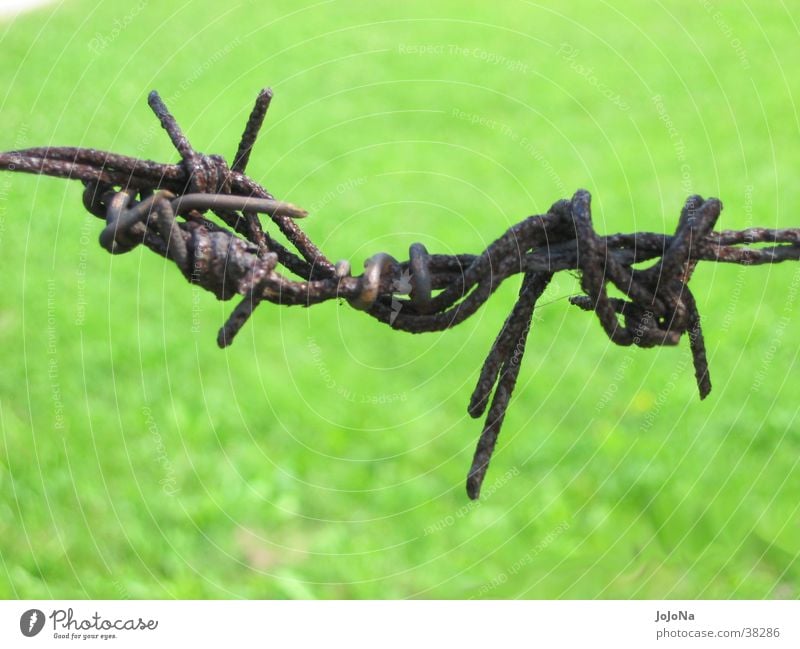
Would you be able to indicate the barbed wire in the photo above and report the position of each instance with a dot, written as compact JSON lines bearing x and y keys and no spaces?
{"x":142,"y":201}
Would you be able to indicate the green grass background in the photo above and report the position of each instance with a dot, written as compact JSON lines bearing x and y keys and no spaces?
{"x":324,"y":455}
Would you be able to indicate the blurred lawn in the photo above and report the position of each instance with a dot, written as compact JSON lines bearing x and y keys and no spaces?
{"x":324,"y":455}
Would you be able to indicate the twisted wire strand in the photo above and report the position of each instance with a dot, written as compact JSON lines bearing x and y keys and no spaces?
{"x":166,"y":207}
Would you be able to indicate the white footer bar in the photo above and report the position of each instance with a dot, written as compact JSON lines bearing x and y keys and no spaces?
{"x":401,"y":624}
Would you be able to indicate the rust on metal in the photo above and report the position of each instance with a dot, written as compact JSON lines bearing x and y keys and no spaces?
{"x":168,"y":209}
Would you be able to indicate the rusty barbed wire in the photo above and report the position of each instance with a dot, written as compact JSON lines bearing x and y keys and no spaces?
{"x":141,"y":202}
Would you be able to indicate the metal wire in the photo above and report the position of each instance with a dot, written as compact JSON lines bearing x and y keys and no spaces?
{"x":142,"y":201}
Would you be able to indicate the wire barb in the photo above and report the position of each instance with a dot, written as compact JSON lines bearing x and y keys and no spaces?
{"x":166,"y":208}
